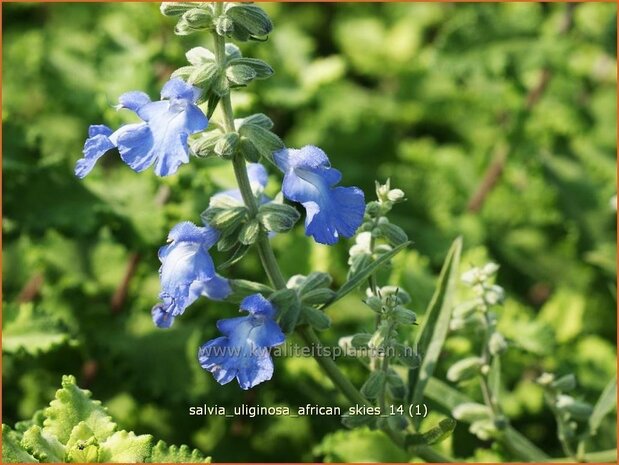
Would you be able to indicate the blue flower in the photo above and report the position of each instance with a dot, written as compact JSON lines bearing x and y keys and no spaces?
{"x":160,"y":140}
{"x":187,"y":272}
{"x":258,"y":179}
{"x":243,"y":351}
{"x":331,"y":211}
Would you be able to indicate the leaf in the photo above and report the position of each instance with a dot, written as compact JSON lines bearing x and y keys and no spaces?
{"x":438,"y":433}
{"x":432,"y":336}
{"x":71,"y":406}
{"x":43,"y":446}
{"x":32,"y":331}
{"x":12,"y":451}
{"x":125,"y":447}
{"x":162,"y":453}
{"x":604,"y":405}
{"x":364,"y":273}
{"x":360,"y":445}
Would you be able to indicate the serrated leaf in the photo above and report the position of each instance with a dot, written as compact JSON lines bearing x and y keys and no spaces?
{"x":43,"y":446}
{"x":434,"y":331}
{"x":12,"y":451}
{"x":364,"y":273}
{"x":73,"y":405}
{"x":162,"y":453}
{"x":32,"y":331}
{"x":125,"y":447}
{"x":604,"y":405}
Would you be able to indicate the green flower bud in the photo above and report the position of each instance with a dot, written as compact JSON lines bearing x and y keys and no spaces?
{"x":373,"y":385}
{"x":204,"y":145}
{"x":240,"y":74}
{"x":288,"y":308}
{"x":407,"y":356}
{"x":263,"y":140}
{"x":203,"y":75}
{"x":249,"y":232}
{"x":198,"y":18}
{"x":224,"y":26}
{"x":378,"y":338}
{"x":545,"y":379}
{"x":278,"y":217}
{"x":402,"y":296}
{"x":565,"y":383}
{"x":393,"y":233}
{"x":261,"y":69}
{"x":471,"y":411}
{"x":464,"y":369}
{"x":372,"y":208}
{"x":225,"y":219}
{"x":250,"y":18}
{"x":374,"y":303}
{"x":497,"y":343}
{"x":226,"y":145}
{"x":315,"y":280}
{"x":318,"y":296}
{"x":248,"y":150}
{"x":577,"y":409}
{"x":360,"y":340}
{"x":176,"y":8}
{"x":404,"y":316}
{"x":316,"y":318}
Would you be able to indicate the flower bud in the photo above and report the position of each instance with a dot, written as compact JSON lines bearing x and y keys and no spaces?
{"x":374,"y":383}
{"x":318,"y":296}
{"x":494,"y":294}
{"x":401,"y":295}
{"x":464,"y":369}
{"x":251,"y":18}
{"x":471,"y":411}
{"x":396,"y":385}
{"x":393,"y":233}
{"x":315,"y":280}
{"x":372,"y":209}
{"x":316,"y":318}
{"x":404,"y":316}
{"x":374,"y":303}
{"x":565,"y":383}
{"x":226,"y":145}
{"x":360,"y":340}
{"x":224,"y":26}
{"x":225,"y":219}
{"x":483,"y":429}
{"x":395,"y":195}
{"x":176,"y":8}
{"x":497,"y":343}
{"x":577,"y":409}
{"x":278,"y":217}
{"x":378,"y":338}
{"x":249,"y":232}
{"x":198,"y":18}
{"x":288,"y":308}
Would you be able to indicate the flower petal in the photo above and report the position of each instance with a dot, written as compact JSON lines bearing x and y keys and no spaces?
{"x":256,"y":304}
{"x":133,"y":100}
{"x":178,"y":89}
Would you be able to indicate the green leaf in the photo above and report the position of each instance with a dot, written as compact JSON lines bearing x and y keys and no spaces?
{"x":43,"y":446}
{"x":360,"y":445}
{"x":364,"y":273}
{"x":438,"y":433}
{"x":32,"y":331}
{"x":604,"y":405}
{"x":436,"y":325}
{"x":162,"y":453}
{"x":125,"y":447}
{"x":71,"y":406}
{"x":12,"y":451}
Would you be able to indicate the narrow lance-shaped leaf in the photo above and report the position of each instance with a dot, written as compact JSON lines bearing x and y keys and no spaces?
{"x":604,"y":405}
{"x":363,"y":274}
{"x":432,"y":336}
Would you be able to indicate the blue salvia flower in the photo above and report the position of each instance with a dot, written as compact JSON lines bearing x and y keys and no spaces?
{"x":161,"y":139}
{"x":258,"y":179}
{"x":187,"y":272}
{"x":331,"y":211}
{"x":243,"y":350}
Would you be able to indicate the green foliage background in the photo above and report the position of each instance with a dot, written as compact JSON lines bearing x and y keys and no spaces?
{"x":423,"y":93}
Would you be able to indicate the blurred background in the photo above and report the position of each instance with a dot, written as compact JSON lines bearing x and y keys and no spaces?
{"x":497,"y":120}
